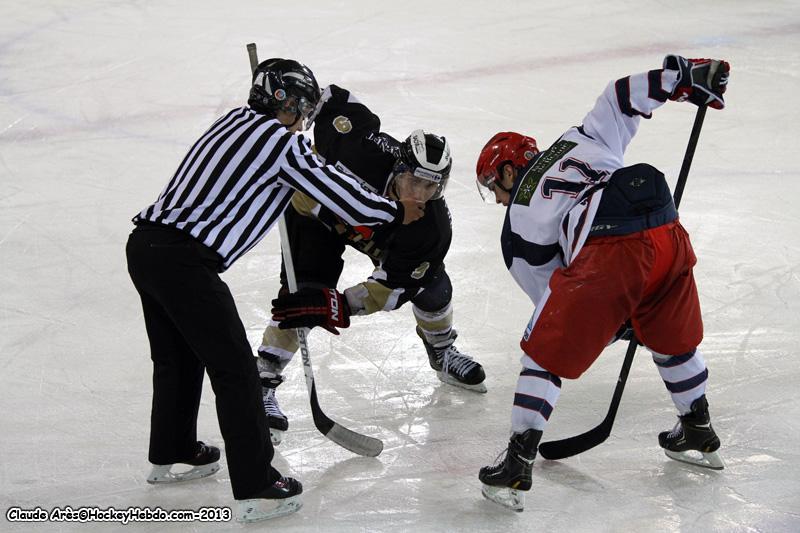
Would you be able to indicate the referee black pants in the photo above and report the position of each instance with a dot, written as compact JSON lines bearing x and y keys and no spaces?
{"x":193,"y":325}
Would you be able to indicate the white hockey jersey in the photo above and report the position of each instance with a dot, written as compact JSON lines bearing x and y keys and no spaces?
{"x":555,"y":200}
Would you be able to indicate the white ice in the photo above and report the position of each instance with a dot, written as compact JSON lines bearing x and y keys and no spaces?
{"x":100,"y":100}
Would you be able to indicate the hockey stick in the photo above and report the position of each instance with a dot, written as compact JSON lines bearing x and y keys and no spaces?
{"x":559,"y":449}
{"x":346,"y":438}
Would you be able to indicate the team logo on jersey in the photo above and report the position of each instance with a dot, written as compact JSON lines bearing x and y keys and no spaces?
{"x":420,"y":270}
{"x":342,"y":124}
{"x":638,"y":182}
{"x":531,"y":179}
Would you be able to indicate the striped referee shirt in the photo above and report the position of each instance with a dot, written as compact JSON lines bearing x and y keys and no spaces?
{"x":238,"y":178}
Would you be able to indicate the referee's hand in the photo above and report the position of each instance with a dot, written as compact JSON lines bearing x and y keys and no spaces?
{"x":412,"y":210}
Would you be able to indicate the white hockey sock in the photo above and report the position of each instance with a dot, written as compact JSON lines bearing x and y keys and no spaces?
{"x":437,"y":326}
{"x":684,"y":375}
{"x":535,"y":397}
{"x":278,"y":346}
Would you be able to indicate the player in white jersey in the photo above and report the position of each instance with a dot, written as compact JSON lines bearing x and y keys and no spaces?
{"x":595,"y":244}
{"x":227,"y":193}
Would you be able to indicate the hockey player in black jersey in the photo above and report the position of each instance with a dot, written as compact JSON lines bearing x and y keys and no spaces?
{"x":409,"y":261}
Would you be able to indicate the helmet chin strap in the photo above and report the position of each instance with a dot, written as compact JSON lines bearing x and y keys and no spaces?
{"x":502,"y":187}
{"x":498,"y":182}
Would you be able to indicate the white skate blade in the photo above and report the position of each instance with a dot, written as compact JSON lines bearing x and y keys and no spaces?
{"x":507,"y":497}
{"x":164,"y":474}
{"x":447,"y":378}
{"x":276,"y":436}
{"x":262,"y":509}
{"x":704,"y":459}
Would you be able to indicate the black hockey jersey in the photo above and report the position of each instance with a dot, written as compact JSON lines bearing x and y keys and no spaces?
{"x":347,"y":135}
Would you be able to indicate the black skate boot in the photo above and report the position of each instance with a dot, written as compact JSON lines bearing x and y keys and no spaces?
{"x":452,"y":366}
{"x":279,"y":499}
{"x":270,"y":379}
{"x":503,"y":482}
{"x":693,"y":440}
{"x":204,"y":462}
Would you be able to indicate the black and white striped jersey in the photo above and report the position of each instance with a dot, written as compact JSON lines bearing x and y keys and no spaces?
{"x":238,"y":178}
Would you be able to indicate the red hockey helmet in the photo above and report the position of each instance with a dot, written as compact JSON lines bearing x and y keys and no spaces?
{"x":504,"y":147}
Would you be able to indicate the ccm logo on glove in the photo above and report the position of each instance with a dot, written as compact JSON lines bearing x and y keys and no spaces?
{"x":334,"y":304}
{"x":308,"y":308}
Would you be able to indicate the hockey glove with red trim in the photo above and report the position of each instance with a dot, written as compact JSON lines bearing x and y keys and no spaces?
{"x":308,"y":308}
{"x":701,"y":81}
{"x":362,"y":238}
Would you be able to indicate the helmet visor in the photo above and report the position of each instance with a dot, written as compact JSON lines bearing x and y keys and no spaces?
{"x":486,"y":188}
{"x":304,"y":107}
{"x":299,"y":105}
{"x":407,"y":185}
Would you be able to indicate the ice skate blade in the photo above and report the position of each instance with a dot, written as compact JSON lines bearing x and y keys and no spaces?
{"x":710,"y":460}
{"x":276,"y":436}
{"x":507,"y":497}
{"x":446,"y":378}
{"x":262,"y":509}
{"x":164,"y":474}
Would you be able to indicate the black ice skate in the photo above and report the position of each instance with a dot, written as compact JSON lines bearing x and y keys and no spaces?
{"x":280,"y":499}
{"x":278,"y":423}
{"x":452,"y":366}
{"x":693,"y":440}
{"x":503,"y":482}
{"x":203,"y":463}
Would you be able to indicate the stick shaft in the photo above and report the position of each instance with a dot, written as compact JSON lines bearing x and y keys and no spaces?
{"x":252,"y":52}
{"x":689,"y":155}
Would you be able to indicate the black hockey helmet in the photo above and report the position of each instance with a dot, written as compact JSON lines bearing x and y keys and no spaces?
{"x":426,"y":156}
{"x":275,"y":80}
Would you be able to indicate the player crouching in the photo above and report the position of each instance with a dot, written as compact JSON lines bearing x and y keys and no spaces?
{"x":409,"y":260}
{"x":594,"y":244}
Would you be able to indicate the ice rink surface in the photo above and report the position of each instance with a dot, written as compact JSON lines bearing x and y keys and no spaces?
{"x":99,"y":102}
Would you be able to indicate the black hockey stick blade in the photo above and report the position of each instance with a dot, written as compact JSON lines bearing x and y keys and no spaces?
{"x":555,"y":450}
{"x":560,"y":449}
{"x":346,"y":438}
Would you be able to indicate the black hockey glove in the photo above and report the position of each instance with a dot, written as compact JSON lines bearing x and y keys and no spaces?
{"x":308,"y":308}
{"x":701,"y":81}
{"x":362,"y":238}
